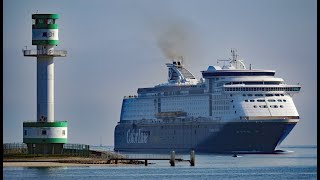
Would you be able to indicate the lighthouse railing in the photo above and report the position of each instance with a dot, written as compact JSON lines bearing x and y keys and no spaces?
{"x":48,"y":52}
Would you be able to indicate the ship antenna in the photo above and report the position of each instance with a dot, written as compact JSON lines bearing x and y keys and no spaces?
{"x":234,"y":55}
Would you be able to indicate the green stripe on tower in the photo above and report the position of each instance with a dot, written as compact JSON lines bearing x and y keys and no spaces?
{"x":44,"y":140}
{"x":44,"y":42}
{"x":45,"y":26}
{"x":45,"y":16}
{"x":46,"y":124}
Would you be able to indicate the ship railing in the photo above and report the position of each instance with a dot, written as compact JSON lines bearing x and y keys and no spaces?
{"x":170,"y":120}
{"x":267,"y":117}
{"x":130,"y":96}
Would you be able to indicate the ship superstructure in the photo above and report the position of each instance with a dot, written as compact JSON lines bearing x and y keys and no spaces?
{"x":231,"y":109}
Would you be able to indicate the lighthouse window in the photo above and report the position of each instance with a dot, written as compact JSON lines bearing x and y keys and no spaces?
{"x":40,"y":21}
{"x":63,"y":132}
{"x":50,"y":21}
{"x":44,"y":132}
{"x":25,"y":132}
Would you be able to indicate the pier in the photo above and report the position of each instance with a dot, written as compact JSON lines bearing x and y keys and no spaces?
{"x":172,"y":158}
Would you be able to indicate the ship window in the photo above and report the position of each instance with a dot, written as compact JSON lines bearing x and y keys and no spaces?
{"x":246,"y":100}
{"x":284,"y":100}
{"x":63,"y":132}
{"x":251,"y":100}
{"x":249,"y":94}
{"x":277,"y":94}
{"x":281,"y":106}
{"x":255,"y":106}
{"x":282,"y":94}
{"x":271,"y":100}
{"x":260,"y":100}
{"x":279,"y":100}
{"x":243,"y":94}
{"x":258,"y":94}
{"x":269,"y":94}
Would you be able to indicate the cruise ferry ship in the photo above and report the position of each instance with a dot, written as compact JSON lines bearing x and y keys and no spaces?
{"x":232,"y":109}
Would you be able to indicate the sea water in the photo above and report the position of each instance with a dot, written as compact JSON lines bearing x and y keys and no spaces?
{"x":298,"y":162}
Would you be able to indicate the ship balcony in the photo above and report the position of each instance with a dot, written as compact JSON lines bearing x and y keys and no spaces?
{"x":262,"y":88}
{"x":45,"y":53}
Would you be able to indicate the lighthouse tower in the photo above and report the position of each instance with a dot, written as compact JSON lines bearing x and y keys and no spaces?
{"x":45,"y":136}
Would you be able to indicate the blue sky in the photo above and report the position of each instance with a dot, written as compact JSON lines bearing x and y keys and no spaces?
{"x":113,"y":49}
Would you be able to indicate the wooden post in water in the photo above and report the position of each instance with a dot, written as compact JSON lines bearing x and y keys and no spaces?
{"x":172,"y":158}
{"x":192,"y":158}
{"x":146,"y":162}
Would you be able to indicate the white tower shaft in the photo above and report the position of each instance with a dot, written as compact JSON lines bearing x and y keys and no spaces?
{"x":45,"y":87}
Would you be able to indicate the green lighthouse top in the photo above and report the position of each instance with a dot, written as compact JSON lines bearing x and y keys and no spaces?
{"x":44,"y":29}
{"x":45,"y":16}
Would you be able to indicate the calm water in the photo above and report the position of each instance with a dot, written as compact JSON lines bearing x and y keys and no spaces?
{"x":299,"y":164}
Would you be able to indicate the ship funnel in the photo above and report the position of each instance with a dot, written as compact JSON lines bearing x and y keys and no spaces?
{"x":178,"y":61}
